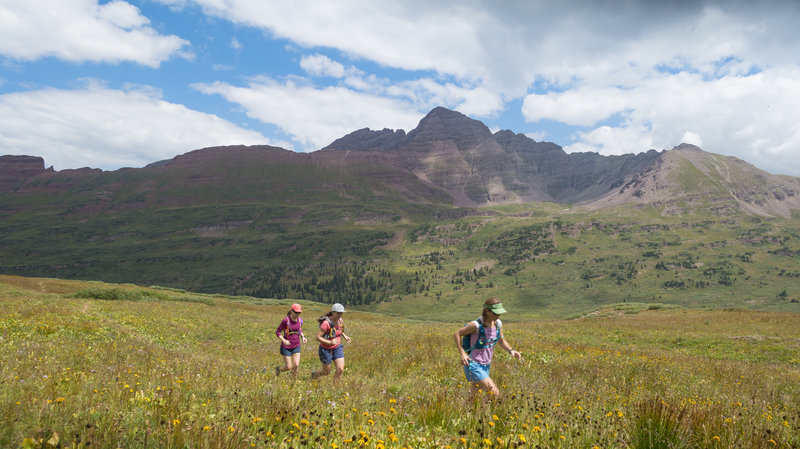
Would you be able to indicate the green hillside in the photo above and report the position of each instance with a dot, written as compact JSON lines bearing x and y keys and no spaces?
{"x":542,"y":261}
{"x":359,"y":229}
{"x":92,"y":365}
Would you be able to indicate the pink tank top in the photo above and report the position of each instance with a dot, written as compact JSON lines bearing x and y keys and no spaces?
{"x":483,"y":355}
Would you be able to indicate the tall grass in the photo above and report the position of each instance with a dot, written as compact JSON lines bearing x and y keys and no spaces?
{"x":90,"y":373}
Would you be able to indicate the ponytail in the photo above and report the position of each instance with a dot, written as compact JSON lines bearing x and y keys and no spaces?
{"x":322,"y":318}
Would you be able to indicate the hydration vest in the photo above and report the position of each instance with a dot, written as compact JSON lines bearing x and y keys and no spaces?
{"x":332,"y":332}
{"x":482,"y":341}
{"x":287,"y":331}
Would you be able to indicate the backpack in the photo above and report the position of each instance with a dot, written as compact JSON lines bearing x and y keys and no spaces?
{"x":482,"y":342}
{"x":332,"y":332}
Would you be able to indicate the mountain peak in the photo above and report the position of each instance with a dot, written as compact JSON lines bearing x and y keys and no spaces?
{"x":688,"y":147}
{"x":442,"y":123}
{"x":442,"y":112}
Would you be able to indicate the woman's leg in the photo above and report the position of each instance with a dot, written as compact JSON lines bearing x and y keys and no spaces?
{"x":339,"y":364}
{"x":325,"y":360}
{"x":295,"y":363}
{"x":323,"y":371}
{"x":487,"y":385}
{"x":287,"y":365}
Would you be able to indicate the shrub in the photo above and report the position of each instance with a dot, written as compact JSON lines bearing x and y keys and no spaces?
{"x":120,"y":294}
{"x":659,"y":425}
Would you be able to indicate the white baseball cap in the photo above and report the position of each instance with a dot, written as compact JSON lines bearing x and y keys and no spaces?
{"x":337,"y":308}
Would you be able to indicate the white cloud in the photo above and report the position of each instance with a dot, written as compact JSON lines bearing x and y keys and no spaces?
{"x":121,"y":14}
{"x":82,"y":30}
{"x":321,"y":65}
{"x":318,"y":65}
{"x":422,"y":94}
{"x":507,"y":46}
{"x":753,"y":117}
{"x":408,"y":35}
{"x":692,"y":138}
{"x":315,"y":116}
{"x":583,"y":106}
{"x":540,"y":136}
{"x":607,"y":140}
{"x":108,"y":128}
{"x":428,"y":93}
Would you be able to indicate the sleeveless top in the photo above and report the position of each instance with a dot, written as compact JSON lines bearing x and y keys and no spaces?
{"x":482,"y":355}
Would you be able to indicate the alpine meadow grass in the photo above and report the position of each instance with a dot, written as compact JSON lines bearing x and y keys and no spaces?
{"x":173,"y":369}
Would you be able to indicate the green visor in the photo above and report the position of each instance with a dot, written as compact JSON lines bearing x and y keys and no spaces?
{"x":496,"y":308}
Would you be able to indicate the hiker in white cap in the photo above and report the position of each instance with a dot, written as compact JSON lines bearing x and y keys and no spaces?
{"x":331,"y":351}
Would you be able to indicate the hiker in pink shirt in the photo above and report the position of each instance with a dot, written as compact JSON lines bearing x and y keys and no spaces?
{"x":290,"y":332}
{"x":476,"y":343}
{"x":331,"y":351}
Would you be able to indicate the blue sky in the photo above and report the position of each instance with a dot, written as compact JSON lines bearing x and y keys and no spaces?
{"x":114,"y":84}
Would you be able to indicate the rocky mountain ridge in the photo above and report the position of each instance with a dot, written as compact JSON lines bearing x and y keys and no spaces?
{"x":448,"y":158}
{"x":476,"y":167}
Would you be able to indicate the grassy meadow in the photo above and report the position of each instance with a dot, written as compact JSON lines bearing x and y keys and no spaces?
{"x":91,"y":365}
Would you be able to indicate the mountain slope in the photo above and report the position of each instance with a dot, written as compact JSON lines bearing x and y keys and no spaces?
{"x":688,"y":178}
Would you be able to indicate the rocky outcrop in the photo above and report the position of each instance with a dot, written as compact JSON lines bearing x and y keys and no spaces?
{"x":366,"y":139}
{"x":14,"y":170}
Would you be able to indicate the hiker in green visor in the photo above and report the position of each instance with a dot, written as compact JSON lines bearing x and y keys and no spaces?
{"x":476,"y":342}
